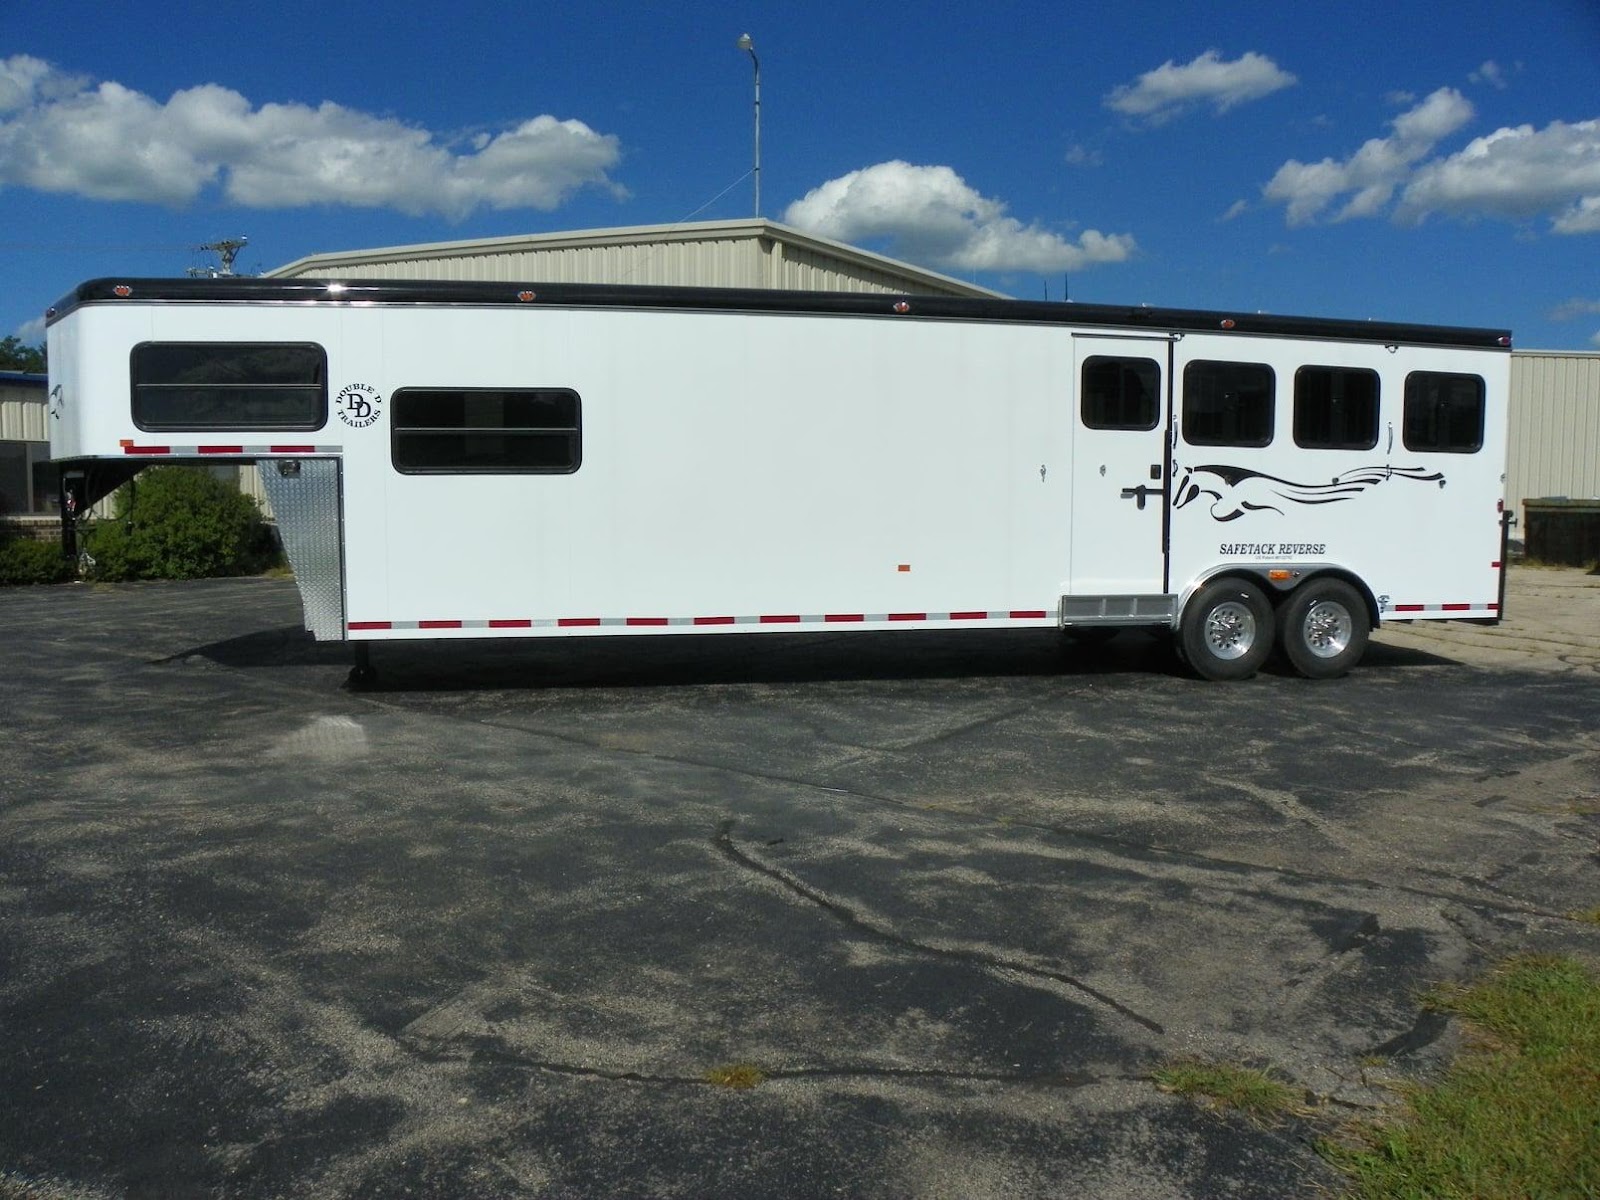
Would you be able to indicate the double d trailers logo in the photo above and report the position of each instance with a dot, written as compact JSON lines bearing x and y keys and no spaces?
{"x":357,"y":405}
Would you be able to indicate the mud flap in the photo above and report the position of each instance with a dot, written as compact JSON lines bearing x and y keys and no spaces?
{"x":305,"y":498}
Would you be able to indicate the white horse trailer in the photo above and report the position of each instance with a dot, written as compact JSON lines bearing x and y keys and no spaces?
{"x":455,"y":460}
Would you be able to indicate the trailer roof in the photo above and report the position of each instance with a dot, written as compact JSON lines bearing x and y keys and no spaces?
{"x":681,"y":299}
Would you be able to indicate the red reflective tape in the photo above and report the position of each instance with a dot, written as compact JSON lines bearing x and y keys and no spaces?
{"x":569,"y":622}
{"x":713,"y":620}
{"x":220,"y":449}
{"x":1409,"y":607}
{"x":841,"y":618}
{"x":1455,"y":607}
{"x":292,"y":449}
{"x":147,"y":449}
{"x":908,"y":616}
{"x":1494,"y":608}
{"x":438,"y":624}
{"x":371,"y":625}
{"x":783,"y":620}
{"x":1494,"y":566}
{"x":517,"y":623}
{"x":1028,"y":614}
{"x":969,"y":616}
{"x":646,"y":621}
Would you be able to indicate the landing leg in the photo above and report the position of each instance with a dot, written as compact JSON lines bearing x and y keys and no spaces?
{"x":363,"y":674}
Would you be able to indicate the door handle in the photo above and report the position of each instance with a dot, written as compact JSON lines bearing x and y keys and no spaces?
{"x":1141,"y":493}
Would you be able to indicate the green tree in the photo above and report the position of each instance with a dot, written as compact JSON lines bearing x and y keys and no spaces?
{"x":14,"y":356}
{"x":180,"y":523}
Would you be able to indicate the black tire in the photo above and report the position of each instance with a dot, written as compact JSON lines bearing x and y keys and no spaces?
{"x":1323,"y":628}
{"x":1227,"y":629}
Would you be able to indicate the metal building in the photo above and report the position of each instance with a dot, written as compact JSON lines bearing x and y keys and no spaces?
{"x":1555,"y":426}
{"x":748,"y":253}
{"x":27,"y":480}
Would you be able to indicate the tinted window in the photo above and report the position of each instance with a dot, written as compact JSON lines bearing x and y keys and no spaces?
{"x":485,"y":430}
{"x":1121,"y":393}
{"x":1335,"y":408}
{"x":1227,"y":404}
{"x":1443,"y":412}
{"x":229,"y":385}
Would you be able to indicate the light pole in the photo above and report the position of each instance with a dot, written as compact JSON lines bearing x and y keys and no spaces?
{"x":749,"y":47}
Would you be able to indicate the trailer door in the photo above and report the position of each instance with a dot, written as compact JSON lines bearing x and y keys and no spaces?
{"x":1121,"y":464}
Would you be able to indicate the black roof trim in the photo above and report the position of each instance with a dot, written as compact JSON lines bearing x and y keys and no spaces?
{"x":443,"y":292}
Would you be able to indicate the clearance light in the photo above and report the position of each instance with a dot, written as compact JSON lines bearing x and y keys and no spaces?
{"x":1279,"y":575}
{"x":122,"y":291}
{"x":1504,"y":341}
{"x":900,"y":306}
{"x":526,"y":296}
{"x":1227,"y":322}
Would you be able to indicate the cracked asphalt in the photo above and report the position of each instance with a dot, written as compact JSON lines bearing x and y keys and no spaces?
{"x":485,"y":930}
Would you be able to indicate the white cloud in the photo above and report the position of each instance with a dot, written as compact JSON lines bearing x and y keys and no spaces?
{"x":1161,"y":94}
{"x":1582,"y":217}
{"x":1237,"y":208}
{"x":59,"y":133}
{"x":31,"y":333}
{"x":1082,"y":156}
{"x":1576,"y":307}
{"x":1517,"y":174}
{"x":1369,"y":177}
{"x":1491,"y":73}
{"x":932,"y":215}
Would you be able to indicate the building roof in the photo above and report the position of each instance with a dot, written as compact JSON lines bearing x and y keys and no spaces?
{"x":749,"y":229}
{"x":24,"y":379}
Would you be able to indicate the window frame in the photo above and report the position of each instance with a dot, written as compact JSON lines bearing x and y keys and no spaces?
{"x":319,"y":387}
{"x":1377,"y":407}
{"x":1127,"y":362}
{"x":399,"y":431}
{"x":1482,"y":401}
{"x":1271,"y":407}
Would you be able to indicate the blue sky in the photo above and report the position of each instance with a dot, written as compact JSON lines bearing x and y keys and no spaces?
{"x":1432,"y":162}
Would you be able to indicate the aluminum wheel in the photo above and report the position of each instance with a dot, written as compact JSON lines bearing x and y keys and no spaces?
{"x":1328,"y":629}
{"x":1230,"y":630}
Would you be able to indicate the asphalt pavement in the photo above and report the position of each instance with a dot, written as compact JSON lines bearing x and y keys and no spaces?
{"x":491,"y":928}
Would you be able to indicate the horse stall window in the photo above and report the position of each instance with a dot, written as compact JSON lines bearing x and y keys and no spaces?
{"x":1335,"y":408}
{"x":1228,"y":403}
{"x":511,"y":431}
{"x":210,"y":386}
{"x":1444,"y":412}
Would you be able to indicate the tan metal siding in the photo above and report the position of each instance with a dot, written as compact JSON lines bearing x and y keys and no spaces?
{"x":23,"y":415}
{"x":718,"y":263}
{"x":801,"y":269}
{"x":1555,"y":426}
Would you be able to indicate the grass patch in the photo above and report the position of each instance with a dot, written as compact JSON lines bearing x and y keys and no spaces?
{"x":1254,"y":1093}
{"x":1589,"y":916}
{"x":736,"y":1075}
{"x":1518,"y":1115}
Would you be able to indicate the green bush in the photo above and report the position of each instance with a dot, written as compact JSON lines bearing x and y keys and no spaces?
{"x":23,"y":560}
{"x":180,"y":523}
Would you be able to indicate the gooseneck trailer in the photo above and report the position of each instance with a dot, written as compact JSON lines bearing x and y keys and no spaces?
{"x":480,"y":460}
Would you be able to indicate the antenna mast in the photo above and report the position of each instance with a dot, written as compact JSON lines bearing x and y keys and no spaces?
{"x":226,"y":251}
